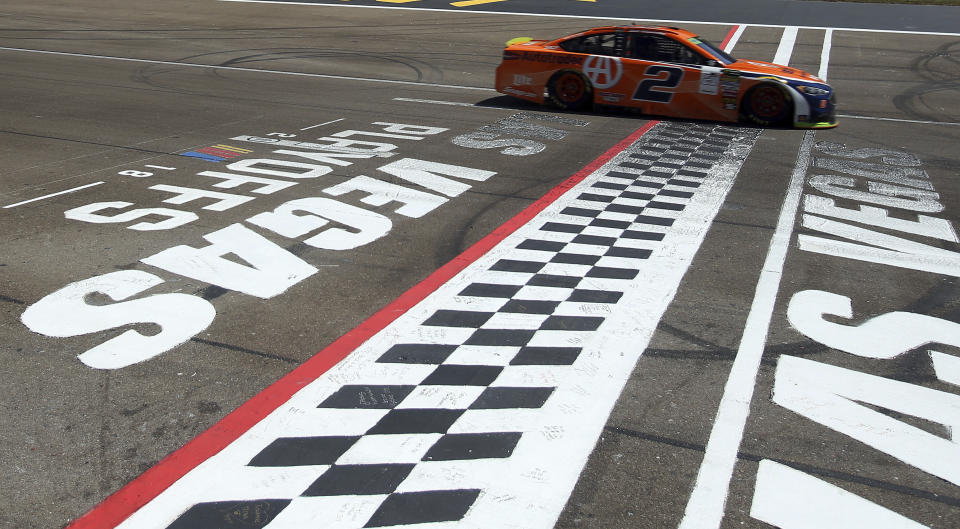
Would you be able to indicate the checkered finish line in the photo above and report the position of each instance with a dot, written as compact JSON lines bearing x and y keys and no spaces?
{"x":479,"y":406}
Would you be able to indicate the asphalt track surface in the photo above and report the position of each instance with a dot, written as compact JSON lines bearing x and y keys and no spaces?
{"x":894,"y":17}
{"x":752,"y":396}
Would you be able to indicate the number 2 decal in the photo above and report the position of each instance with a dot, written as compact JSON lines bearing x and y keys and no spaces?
{"x":657,"y":88}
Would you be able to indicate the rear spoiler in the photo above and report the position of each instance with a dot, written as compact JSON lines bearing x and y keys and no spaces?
{"x":519,"y":40}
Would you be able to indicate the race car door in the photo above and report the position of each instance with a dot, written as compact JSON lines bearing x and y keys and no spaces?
{"x":669,"y":78}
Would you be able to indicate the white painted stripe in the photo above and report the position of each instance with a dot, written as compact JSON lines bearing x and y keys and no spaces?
{"x":705,"y":506}
{"x":322,"y":124}
{"x":735,"y":38}
{"x":946,"y":367}
{"x":584,"y":17}
{"x":950,"y":123}
{"x":825,"y":54}
{"x":790,"y":499}
{"x":52,"y":195}
{"x":785,"y":49}
{"x":434,"y":102}
{"x":248,"y":70}
{"x":160,"y":167}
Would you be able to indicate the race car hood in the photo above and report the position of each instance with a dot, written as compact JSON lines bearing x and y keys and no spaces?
{"x":768,"y":68}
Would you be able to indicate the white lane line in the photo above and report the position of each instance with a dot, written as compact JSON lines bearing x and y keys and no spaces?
{"x":735,"y":38}
{"x":950,"y":123}
{"x":322,"y":124}
{"x":160,"y":167}
{"x":785,"y":50}
{"x":52,"y":195}
{"x":584,"y":17}
{"x":435,"y":102}
{"x":249,"y":70}
{"x":706,"y":503}
{"x":825,"y":54}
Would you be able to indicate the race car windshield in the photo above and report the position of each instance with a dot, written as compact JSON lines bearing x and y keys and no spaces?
{"x":710,"y":48}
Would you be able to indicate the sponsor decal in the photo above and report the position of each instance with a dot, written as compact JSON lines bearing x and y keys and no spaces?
{"x":552,"y":58}
{"x":710,"y":80}
{"x":522,"y":80}
{"x":610,"y":97}
{"x":516,"y":92}
{"x":604,"y":72}
{"x":730,"y":88}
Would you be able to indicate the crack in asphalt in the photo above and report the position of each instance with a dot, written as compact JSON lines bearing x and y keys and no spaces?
{"x":239,"y":349}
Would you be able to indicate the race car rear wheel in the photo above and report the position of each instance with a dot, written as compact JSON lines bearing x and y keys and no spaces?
{"x":569,"y":90}
{"x":767,"y":104}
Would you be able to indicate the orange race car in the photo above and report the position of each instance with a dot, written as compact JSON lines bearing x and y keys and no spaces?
{"x":663,"y":71}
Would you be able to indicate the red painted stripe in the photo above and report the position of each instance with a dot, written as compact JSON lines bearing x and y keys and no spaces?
{"x":121,"y":504}
{"x":726,"y":40}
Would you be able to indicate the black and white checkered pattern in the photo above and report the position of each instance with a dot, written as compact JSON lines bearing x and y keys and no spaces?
{"x":493,"y":349}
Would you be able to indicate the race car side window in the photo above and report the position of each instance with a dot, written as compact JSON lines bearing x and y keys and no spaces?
{"x":613,"y":44}
{"x":687,"y":56}
{"x":580,"y":45}
{"x":660,"y":48}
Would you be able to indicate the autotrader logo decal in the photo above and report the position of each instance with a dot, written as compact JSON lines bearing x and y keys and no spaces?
{"x":604,"y":72}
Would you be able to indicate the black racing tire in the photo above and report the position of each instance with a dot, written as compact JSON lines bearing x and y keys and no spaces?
{"x":569,"y":90}
{"x":767,"y":104}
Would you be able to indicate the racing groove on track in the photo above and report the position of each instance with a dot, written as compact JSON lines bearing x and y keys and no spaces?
{"x":481,"y":404}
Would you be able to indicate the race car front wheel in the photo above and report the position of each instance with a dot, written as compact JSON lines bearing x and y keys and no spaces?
{"x":767,"y":104}
{"x":569,"y":90}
